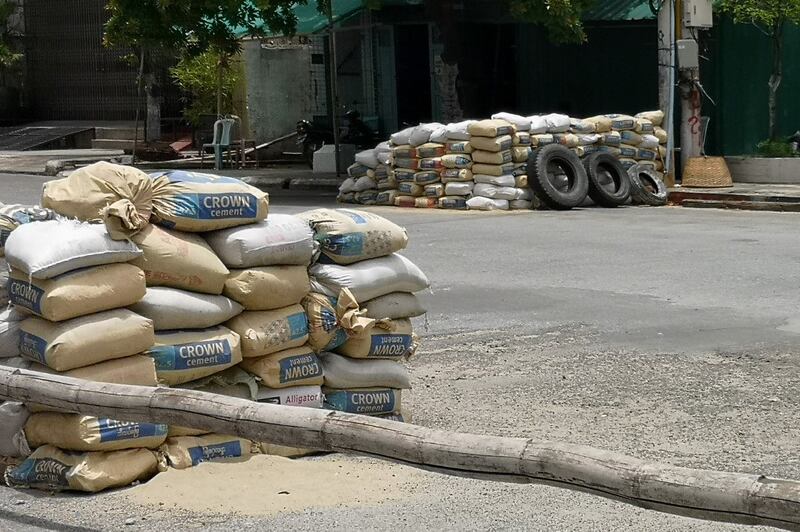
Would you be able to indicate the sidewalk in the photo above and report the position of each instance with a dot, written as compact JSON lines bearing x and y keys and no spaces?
{"x":748,"y":196}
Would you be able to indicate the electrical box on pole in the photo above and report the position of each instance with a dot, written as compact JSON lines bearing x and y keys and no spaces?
{"x":688,"y":54}
{"x":698,"y":14}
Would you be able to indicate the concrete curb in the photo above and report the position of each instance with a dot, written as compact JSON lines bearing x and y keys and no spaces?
{"x":733,"y":200}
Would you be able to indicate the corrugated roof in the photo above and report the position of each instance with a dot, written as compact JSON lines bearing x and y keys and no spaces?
{"x":612,"y":10}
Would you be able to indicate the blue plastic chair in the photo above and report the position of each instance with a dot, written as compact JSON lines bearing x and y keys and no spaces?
{"x":221,"y":142}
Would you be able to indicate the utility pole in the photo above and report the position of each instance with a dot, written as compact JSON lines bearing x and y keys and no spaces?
{"x":334,"y":88}
{"x":689,"y":67}
{"x":666,"y":80}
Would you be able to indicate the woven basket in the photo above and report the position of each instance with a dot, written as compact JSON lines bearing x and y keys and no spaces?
{"x":706,"y":172}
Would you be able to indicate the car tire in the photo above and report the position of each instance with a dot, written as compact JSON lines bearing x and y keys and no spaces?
{"x":647,"y":188}
{"x":609,"y":184}
{"x":557,"y":177}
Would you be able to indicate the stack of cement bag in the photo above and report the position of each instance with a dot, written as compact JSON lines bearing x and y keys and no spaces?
{"x":457,"y":175}
{"x":417,"y":163}
{"x":360,"y":308}
{"x":368,"y":176}
{"x":521,"y":149}
{"x":493,"y":166}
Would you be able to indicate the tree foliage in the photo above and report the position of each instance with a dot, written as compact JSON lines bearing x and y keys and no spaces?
{"x":197,"y":76}
{"x":561,"y":18}
{"x":8,"y":57}
{"x":765,"y":14}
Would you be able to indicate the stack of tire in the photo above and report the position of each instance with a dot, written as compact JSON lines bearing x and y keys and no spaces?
{"x":360,"y":309}
{"x":457,"y":175}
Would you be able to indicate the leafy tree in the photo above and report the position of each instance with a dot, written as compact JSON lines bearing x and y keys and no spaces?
{"x":9,"y":58}
{"x":771,"y":18}
{"x":197,"y":76}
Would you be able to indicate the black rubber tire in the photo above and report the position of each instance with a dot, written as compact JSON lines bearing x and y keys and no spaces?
{"x":647,"y":188}
{"x":574,"y":184}
{"x":604,"y":170}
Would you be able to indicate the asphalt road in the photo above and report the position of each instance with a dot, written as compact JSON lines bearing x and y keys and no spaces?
{"x":669,"y":334}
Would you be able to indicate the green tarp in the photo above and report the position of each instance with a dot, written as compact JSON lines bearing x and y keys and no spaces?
{"x":310,"y":20}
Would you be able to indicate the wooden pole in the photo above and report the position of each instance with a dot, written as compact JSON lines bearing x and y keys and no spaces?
{"x":731,"y":497}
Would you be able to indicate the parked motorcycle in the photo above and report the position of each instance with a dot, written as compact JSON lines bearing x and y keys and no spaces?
{"x":312,"y":136}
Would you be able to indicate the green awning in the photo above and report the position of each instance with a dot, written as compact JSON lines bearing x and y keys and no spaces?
{"x":615,"y":10}
{"x":310,"y":20}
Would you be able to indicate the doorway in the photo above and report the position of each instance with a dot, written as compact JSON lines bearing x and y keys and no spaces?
{"x":413,"y":71}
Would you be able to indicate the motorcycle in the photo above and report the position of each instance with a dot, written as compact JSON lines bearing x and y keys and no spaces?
{"x":312,"y":136}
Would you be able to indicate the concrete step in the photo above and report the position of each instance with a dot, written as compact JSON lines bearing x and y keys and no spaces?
{"x":117,"y":133}
{"x":747,"y":196}
{"x":114,"y":144}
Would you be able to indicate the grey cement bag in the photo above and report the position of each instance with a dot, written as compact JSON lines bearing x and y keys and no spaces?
{"x":394,"y":306}
{"x":171,"y":308}
{"x":343,"y":372}
{"x":280,"y":239}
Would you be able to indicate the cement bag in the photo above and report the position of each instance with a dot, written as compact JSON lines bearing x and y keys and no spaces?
{"x":521,"y":138}
{"x":51,"y":469}
{"x":460,"y":146}
{"x":10,"y":321}
{"x":347,"y":185}
{"x":347,"y":236}
{"x":4,"y":273}
{"x":365,"y":401}
{"x":456,"y":175}
{"x":265,"y":332}
{"x":384,"y":158}
{"x":519,"y":205}
{"x":495,"y":192}
{"x":488,"y":157}
{"x":492,"y":169}
{"x":122,"y":196}
{"x":459,"y":189}
{"x":137,"y":370}
{"x":387,"y":182}
{"x":616,"y":152}
{"x":630,"y":138}
{"x":612,"y":138}
{"x":543,"y":139}
{"x":521,"y":181}
{"x":346,"y":198}
{"x":439,"y":134}
{"x":433,"y":163}
{"x":393,"y":306}
{"x":422,"y":133}
{"x":405,"y":152}
{"x":588,"y":139}
{"x":404,"y":174}
{"x":523,"y":194}
{"x":434,"y":191}
{"x":520,"y":154}
{"x":455,"y":161}
{"x":332,"y":319}
{"x":188,"y":201}
{"x":431,"y":149}
{"x":390,"y":339}
{"x":85,"y":340}
{"x":662,"y":152}
{"x":404,"y":200}
{"x":493,"y":144}
{"x":79,"y":292}
{"x":557,"y":123}
{"x":583,"y":151}
{"x":183,"y":356}
{"x":656,"y":117}
{"x":479,"y":203}
{"x":661,"y":135}
{"x":507,"y":180}
{"x":649,"y":142}
{"x":426,"y":178}
{"x":459,"y":130}
{"x":629,"y":152}
{"x":646,"y":155}
{"x":567,"y":139}
{"x":268,"y":287}
{"x":521,"y":123}
{"x":170,"y":308}
{"x":76,"y":432}
{"x":342,"y":372}
{"x":401,"y":137}
{"x":643,"y":126}
{"x":187,"y":451}
{"x":453,"y":202}
{"x":370,"y":279}
{"x":602,"y":123}
{"x":12,"y":438}
{"x":303,"y":396}
{"x":176,"y":430}
{"x":425,"y":202}
{"x":368,"y":158}
{"x":577,"y":125}
{"x":386,"y":197}
{"x":357,"y":170}
{"x":366,"y":197}
{"x":280,"y":239}
{"x":628,"y":163}
{"x":293,"y":367}
{"x":520,"y":169}
{"x":538,"y":125}
{"x":46,"y":249}
{"x":490,"y":128}
{"x":232,"y":382}
{"x":364,"y":183}
{"x":12,"y":216}
{"x":622,"y":122}
{"x":179,"y":260}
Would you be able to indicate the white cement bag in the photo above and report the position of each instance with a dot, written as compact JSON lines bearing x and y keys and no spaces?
{"x":479,"y":203}
{"x":266,"y":332}
{"x":439,"y":134}
{"x":506,"y":180}
{"x":459,"y":189}
{"x":76,"y":432}
{"x":518,"y":205}
{"x":459,"y":130}
{"x":47,"y":249}
{"x":649,"y":142}
{"x":588,"y":139}
{"x":303,"y":396}
{"x":280,"y":239}
{"x":299,"y":366}
{"x":12,"y":438}
{"x":342,"y":372}
{"x":347,"y":185}
{"x":495,"y":192}
{"x":368,"y":158}
{"x":268,"y":287}
{"x":14,"y":215}
{"x":422,"y":133}
{"x":170,"y":308}
{"x":10,"y":320}
{"x":557,"y":123}
{"x":364,"y":183}
{"x":188,"y":201}
{"x":365,"y":401}
{"x":85,"y":340}
{"x":347,"y":236}
{"x":396,"y":305}
{"x":370,"y":279}
{"x":523,"y":194}
{"x":538,"y":125}
{"x":183,"y":356}
{"x":579,"y":126}
{"x":520,"y":122}
{"x":402,"y":138}
{"x":51,"y":469}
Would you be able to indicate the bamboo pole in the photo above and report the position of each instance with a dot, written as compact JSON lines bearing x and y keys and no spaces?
{"x":730,"y":497}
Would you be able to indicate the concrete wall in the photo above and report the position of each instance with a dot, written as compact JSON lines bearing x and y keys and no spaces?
{"x":278,"y":87}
